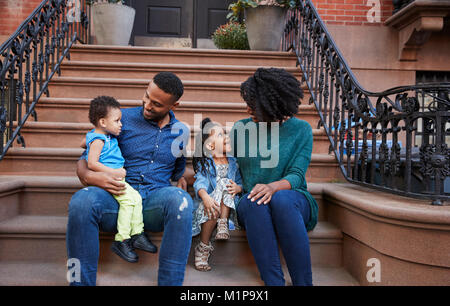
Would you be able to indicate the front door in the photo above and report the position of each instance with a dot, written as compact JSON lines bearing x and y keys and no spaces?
{"x":177,"y":23}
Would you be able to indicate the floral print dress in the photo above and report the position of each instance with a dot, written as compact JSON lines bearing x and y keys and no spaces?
{"x":219,"y":194}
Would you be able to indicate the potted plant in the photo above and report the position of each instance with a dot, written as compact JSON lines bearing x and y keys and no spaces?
{"x":264,"y":19}
{"x":112,"y":21}
{"x":231,"y":35}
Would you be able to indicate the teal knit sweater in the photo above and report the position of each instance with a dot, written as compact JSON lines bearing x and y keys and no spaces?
{"x":293,"y":149}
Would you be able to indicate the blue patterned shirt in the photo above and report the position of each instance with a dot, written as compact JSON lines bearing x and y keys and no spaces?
{"x":153,"y":156}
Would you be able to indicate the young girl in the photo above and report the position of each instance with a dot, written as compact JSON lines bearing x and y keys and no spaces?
{"x":217,"y":183}
{"x":103,"y":154}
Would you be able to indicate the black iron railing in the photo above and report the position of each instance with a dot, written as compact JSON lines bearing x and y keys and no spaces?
{"x":30,"y":58}
{"x":373,"y":135}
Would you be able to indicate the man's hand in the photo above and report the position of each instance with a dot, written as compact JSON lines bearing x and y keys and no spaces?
{"x":107,"y":181}
{"x":182,"y":183}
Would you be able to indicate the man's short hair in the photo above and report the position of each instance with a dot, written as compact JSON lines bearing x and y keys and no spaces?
{"x":169,"y":83}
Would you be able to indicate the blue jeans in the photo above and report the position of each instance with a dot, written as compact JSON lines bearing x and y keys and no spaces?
{"x":93,"y":209}
{"x":281,"y":221}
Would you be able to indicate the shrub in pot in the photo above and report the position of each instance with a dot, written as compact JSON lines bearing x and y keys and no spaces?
{"x":231,"y":35}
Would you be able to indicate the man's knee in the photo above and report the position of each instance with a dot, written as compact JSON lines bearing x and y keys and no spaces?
{"x":85,"y":200}
{"x":180,"y":203}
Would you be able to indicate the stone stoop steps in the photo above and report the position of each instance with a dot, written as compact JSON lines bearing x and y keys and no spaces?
{"x":36,"y":182}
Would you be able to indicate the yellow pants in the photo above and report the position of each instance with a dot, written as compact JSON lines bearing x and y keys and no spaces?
{"x":129,"y":220}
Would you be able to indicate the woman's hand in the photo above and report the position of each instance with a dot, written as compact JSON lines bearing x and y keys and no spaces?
{"x":234,"y":188}
{"x":212,"y":209}
{"x":263,"y":192}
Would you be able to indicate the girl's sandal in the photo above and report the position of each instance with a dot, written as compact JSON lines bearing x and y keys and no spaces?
{"x":222,"y":230}
{"x":202,"y":253}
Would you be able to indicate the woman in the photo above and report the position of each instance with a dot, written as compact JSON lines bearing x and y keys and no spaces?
{"x":276,"y":207}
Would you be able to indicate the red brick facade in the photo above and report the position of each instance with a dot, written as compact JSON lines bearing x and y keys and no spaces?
{"x":13,"y":13}
{"x":354,"y":12}
{"x":344,"y":12}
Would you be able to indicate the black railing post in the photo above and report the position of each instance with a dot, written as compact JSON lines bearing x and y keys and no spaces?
{"x":30,"y":58}
{"x":371,"y":133}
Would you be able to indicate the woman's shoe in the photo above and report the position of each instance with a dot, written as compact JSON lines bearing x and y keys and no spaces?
{"x":222,"y":229}
{"x":202,"y":253}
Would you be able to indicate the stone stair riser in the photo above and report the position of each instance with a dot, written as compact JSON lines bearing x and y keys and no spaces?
{"x":182,"y":57}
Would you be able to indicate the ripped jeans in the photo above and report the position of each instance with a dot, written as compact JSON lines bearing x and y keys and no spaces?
{"x":167,"y":209}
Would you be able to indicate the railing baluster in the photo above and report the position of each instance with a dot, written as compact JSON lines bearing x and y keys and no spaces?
{"x":28,"y":61}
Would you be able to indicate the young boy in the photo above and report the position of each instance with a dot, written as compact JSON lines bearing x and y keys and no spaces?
{"x":104,"y":155}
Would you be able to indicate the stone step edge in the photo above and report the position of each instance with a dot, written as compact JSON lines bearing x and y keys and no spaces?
{"x":137,"y":65}
{"x":55,"y":226}
{"x":76,"y":153}
{"x":168,"y":51}
{"x":84,"y":126}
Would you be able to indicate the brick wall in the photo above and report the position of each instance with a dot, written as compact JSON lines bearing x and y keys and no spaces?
{"x":354,"y":12}
{"x":13,"y":13}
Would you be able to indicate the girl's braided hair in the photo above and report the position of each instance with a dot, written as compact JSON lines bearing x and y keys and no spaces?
{"x":201,"y":161}
{"x":272,"y":94}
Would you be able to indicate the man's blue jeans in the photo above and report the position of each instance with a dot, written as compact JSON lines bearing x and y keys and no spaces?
{"x":282,"y":221}
{"x":167,"y":209}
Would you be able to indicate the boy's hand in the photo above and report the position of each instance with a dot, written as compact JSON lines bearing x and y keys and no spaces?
{"x":234,"y":188}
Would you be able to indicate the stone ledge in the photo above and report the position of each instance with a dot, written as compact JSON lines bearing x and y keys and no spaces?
{"x":415,"y":23}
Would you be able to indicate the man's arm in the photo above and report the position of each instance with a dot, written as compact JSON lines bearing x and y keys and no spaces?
{"x":103,"y":180}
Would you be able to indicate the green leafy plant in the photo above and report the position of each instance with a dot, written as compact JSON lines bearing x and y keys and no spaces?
{"x":239,"y":6}
{"x":232,"y":35}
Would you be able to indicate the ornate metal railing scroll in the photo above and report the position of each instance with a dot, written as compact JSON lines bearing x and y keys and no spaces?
{"x":30,"y":58}
{"x":397,"y":140}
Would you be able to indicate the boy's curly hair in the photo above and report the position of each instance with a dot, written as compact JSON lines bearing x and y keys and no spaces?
{"x":100,"y":107}
{"x":272,"y":94}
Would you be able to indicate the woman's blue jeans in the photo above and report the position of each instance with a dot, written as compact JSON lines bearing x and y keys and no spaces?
{"x":281,"y":221}
{"x":167,"y":209}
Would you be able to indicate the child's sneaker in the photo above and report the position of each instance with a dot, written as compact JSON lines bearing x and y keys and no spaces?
{"x":142,"y":242}
{"x":124,"y":250}
{"x":202,"y":253}
{"x":222,"y":230}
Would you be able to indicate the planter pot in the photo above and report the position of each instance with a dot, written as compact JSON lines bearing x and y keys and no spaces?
{"x":265,"y":26}
{"x":113,"y":23}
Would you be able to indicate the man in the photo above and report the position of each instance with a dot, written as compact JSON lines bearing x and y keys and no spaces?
{"x":151,"y":146}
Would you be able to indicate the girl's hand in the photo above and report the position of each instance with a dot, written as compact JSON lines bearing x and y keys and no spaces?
{"x":212,"y":209}
{"x":263,"y":192}
{"x":234,"y":188}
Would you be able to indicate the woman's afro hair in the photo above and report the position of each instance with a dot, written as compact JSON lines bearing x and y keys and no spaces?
{"x":272,"y":94}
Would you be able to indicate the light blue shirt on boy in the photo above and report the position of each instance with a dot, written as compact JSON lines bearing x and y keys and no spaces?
{"x":111,"y":156}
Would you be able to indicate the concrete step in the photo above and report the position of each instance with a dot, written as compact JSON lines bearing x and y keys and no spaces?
{"x":84,"y":87}
{"x":194,"y":72}
{"x":35,"y":238}
{"x":69,"y":135}
{"x":62,"y":161}
{"x":54,"y":274}
{"x":76,"y":110}
{"x":181,"y":56}
{"x":50,"y":195}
